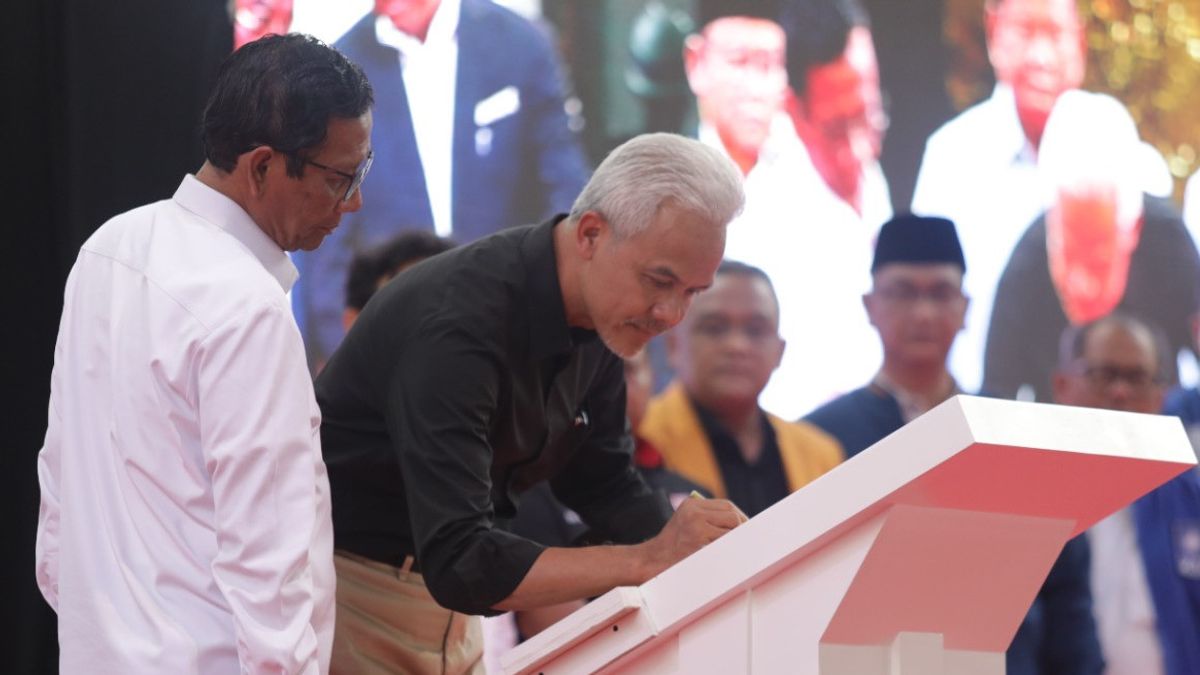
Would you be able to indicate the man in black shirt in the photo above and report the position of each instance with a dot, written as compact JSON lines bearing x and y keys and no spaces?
{"x":477,"y":373}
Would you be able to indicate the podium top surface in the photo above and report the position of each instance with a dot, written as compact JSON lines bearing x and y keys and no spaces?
{"x":968,"y":454}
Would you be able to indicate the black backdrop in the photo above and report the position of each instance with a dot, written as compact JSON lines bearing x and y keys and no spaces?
{"x":100,"y":109}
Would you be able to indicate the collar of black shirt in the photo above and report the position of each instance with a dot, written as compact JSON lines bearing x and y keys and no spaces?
{"x":549,"y":334}
{"x":722,"y":440}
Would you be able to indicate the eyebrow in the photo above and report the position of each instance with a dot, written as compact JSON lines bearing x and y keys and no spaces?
{"x":670,"y":274}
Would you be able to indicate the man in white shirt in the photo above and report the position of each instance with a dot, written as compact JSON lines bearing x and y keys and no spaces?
{"x":185,"y":523}
{"x":980,"y":168}
{"x":735,"y":67}
{"x":810,"y":224}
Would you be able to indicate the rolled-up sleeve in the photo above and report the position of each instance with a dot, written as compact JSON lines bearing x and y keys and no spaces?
{"x":257,"y":436}
{"x":442,"y":395}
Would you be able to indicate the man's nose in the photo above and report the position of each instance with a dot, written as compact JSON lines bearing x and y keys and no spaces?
{"x":670,"y":311}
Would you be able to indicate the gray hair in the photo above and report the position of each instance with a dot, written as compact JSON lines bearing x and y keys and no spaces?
{"x":651,"y":171}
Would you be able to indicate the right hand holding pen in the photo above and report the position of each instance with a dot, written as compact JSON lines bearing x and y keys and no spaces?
{"x":697,"y":522}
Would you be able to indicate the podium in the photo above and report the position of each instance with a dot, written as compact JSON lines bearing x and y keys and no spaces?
{"x":919,"y":556}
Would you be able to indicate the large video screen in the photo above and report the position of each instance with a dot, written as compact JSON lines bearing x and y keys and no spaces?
{"x":1059,"y":136}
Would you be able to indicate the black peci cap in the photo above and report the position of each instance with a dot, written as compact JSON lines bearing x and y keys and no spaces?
{"x":909,"y":238}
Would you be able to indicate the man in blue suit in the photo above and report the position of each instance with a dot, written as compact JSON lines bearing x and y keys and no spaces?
{"x":471,"y":137}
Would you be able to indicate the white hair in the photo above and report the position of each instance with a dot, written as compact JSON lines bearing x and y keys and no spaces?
{"x":1092,"y":142}
{"x":651,"y":171}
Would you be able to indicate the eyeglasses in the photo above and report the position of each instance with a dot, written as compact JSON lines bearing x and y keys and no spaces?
{"x":719,"y":329}
{"x":1104,"y":376}
{"x":355,"y":178}
{"x":904,"y":296}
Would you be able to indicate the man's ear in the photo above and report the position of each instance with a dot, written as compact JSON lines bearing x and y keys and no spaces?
{"x":258,"y":164}
{"x":589,"y":232}
{"x":868,"y":302}
{"x":693,"y":48}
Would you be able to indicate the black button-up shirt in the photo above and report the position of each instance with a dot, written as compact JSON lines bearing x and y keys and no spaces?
{"x":459,"y":386}
{"x":753,"y":487}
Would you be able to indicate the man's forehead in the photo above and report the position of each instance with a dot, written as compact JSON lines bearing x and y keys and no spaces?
{"x":744,"y":32}
{"x":1118,"y":343}
{"x":1057,"y":11}
{"x":736,"y":293}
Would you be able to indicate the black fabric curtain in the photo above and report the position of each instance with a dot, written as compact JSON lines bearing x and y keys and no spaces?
{"x":101,"y":107}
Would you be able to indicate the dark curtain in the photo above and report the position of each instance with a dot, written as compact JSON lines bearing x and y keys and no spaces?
{"x":101,"y":109}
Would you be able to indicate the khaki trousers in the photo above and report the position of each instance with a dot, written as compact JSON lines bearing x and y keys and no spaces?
{"x":387,"y":622}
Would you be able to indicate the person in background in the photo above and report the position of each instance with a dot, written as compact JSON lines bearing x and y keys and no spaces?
{"x":1146,"y":557}
{"x":473,"y":137}
{"x":810,"y":227}
{"x":980,"y":169}
{"x":1103,"y":244}
{"x":708,"y":424}
{"x":185,"y":510}
{"x":373,"y":268}
{"x":917,"y":305}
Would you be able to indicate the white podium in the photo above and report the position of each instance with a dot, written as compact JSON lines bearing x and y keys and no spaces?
{"x":919,"y":556}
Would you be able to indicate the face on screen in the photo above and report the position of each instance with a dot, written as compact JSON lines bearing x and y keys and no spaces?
{"x":1036,"y":47}
{"x":843,"y":119}
{"x":736,"y":69}
{"x":1089,"y":250}
{"x":410,"y":16}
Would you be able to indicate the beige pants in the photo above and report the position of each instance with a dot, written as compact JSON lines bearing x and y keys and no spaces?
{"x":387,"y":622}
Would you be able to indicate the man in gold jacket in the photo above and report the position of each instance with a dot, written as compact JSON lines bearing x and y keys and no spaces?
{"x":708,"y":424}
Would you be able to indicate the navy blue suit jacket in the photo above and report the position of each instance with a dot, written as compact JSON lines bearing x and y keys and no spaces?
{"x":519,"y":168}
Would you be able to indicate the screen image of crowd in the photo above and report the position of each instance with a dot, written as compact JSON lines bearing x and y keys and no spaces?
{"x":1037,"y":242}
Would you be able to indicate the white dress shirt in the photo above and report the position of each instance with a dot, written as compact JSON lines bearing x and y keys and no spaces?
{"x":817,"y":251}
{"x":185,"y":523}
{"x":1125,"y":619}
{"x":980,"y":171}
{"x":430,"y":70}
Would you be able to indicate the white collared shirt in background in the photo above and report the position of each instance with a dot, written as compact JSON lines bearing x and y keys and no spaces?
{"x":1125,"y":619}
{"x":430,"y":71}
{"x":185,"y":518}
{"x":980,"y":171}
{"x":817,"y":251}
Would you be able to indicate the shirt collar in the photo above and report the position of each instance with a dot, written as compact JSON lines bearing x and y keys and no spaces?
{"x":223,"y":212}
{"x":722,"y":440}
{"x":1005,"y":132}
{"x":549,"y":333}
{"x":443,"y":29}
{"x":913,"y":405}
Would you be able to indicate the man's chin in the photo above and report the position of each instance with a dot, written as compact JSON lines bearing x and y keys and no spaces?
{"x":624,"y":346}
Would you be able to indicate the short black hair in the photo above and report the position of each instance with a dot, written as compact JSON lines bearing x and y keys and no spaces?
{"x":737,"y":268}
{"x":817,"y":32}
{"x":386,"y":260}
{"x":280,"y":91}
{"x":1074,"y":338}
